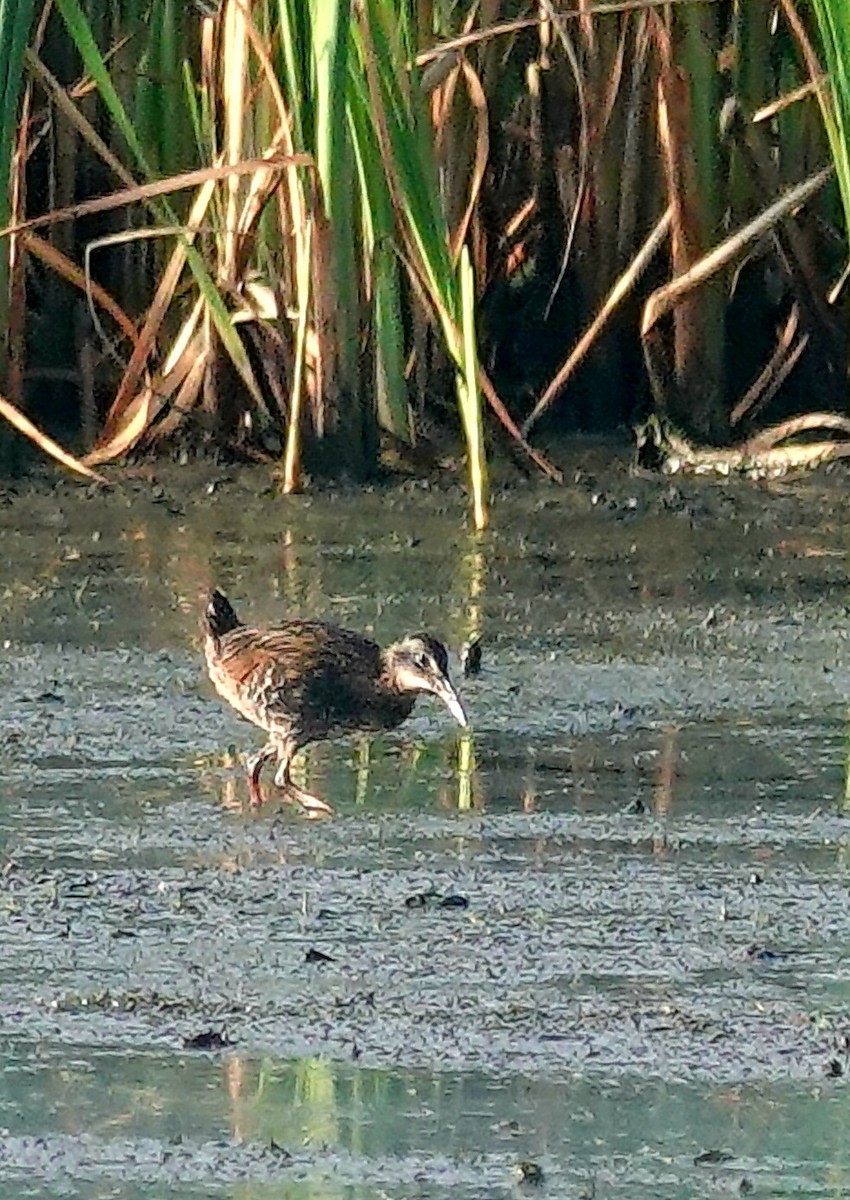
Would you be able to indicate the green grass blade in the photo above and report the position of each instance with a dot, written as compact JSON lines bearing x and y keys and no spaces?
{"x":470,"y":396}
{"x":833,"y":20}
{"x":80,"y":30}
{"x":330,"y":52}
{"x":16,"y":20}
{"x":384,"y":269}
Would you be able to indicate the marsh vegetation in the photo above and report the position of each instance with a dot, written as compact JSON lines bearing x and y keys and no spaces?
{"x":333,"y":235}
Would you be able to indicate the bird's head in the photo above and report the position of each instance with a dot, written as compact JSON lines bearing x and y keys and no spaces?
{"x":420,"y":663}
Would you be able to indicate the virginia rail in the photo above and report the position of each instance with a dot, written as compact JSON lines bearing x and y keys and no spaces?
{"x":306,"y":681}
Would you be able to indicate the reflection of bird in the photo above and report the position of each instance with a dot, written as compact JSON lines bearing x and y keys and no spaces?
{"x":306,"y":681}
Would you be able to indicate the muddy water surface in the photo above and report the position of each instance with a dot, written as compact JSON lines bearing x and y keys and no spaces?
{"x":641,"y":980}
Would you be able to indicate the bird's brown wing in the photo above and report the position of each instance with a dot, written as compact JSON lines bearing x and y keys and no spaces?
{"x":318,"y":678}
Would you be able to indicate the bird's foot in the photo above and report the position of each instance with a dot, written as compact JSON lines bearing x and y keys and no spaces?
{"x":313,"y":806}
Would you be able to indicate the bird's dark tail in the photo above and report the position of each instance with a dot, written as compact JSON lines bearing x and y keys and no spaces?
{"x":219,"y":616}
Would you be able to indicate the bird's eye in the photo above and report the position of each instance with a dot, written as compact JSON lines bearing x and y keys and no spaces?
{"x":421,"y":662}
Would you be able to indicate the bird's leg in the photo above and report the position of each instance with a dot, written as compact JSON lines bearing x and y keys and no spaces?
{"x":311,"y":804}
{"x":255,"y":765}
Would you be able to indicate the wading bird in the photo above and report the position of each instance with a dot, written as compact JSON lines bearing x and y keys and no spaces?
{"x":306,"y":681}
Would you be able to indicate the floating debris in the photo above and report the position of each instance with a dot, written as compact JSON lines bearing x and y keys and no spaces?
{"x":432,"y":899}
{"x":210,"y":1039}
{"x":317,"y":956}
{"x":635,"y":808}
{"x":761,"y":954}
{"x":712,"y":1158}
{"x":530,"y":1172}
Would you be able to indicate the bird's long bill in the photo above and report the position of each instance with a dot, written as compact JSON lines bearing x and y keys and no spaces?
{"x":443,"y":689}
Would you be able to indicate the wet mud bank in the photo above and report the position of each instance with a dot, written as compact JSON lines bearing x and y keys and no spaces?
{"x":606,"y":930}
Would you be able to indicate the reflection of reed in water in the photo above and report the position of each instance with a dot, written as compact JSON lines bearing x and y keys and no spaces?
{"x":324,"y":1107}
{"x":465,"y":771}
{"x":288,"y":1105}
{"x":469,"y":793}
{"x":137,"y":563}
{"x":315,"y":1103}
{"x":378,"y":774}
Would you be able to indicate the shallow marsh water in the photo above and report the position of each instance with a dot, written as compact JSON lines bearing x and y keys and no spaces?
{"x":648,"y":992}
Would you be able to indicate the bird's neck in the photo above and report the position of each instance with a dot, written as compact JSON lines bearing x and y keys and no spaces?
{"x":387,"y":677}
